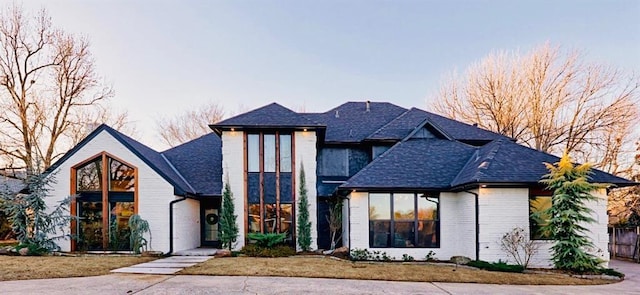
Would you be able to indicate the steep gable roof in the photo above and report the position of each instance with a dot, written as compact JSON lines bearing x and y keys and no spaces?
{"x":414,"y":164}
{"x":152,"y":158}
{"x":271,"y":115}
{"x":352,"y":122}
{"x":503,"y":161}
{"x":200,"y":162}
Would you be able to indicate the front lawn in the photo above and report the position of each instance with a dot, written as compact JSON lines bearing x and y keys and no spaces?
{"x":45,"y":267}
{"x":322,"y":267}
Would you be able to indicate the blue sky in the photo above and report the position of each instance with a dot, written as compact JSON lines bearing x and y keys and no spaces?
{"x":166,"y":57}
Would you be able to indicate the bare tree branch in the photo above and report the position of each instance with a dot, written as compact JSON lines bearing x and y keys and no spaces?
{"x":189,"y":125}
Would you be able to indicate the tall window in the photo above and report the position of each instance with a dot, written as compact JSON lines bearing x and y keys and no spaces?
{"x":404,"y":220}
{"x":104,"y":203}
{"x":537,"y":205}
{"x":270,"y":183}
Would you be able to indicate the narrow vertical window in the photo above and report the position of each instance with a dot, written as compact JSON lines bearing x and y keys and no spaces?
{"x":269,"y":153}
{"x":285,"y":153}
{"x":253,"y":153}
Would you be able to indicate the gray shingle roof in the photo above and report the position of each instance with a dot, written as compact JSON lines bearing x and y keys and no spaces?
{"x":351,"y":122}
{"x":11,"y":185}
{"x":402,"y":125}
{"x":200,"y":163}
{"x":271,"y":115}
{"x":414,"y":164}
{"x":503,"y":161}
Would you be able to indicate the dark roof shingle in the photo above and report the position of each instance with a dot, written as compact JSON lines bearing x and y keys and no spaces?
{"x":351,"y":122}
{"x":271,"y":115}
{"x":414,"y":164}
{"x":200,"y":162}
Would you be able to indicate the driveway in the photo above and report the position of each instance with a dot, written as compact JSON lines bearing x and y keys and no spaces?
{"x":171,"y":284}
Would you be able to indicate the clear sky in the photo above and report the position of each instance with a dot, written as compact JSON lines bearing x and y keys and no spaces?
{"x":166,"y":57}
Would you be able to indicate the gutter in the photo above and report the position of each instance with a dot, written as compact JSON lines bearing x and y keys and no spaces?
{"x":182,"y":198}
{"x":477,"y":224}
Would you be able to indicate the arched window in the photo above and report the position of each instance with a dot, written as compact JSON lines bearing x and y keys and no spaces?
{"x":105,"y":196}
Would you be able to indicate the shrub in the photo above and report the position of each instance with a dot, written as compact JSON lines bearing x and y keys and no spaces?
{"x":228,"y":218}
{"x":519,"y":246}
{"x":138,"y":227}
{"x":254,"y":250}
{"x":34,"y":249}
{"x":364,"y":255}
{"x":267,"y":240}
{"x":407,"y":258}
{"x":496,"y":266}
{"x":429,"y":256}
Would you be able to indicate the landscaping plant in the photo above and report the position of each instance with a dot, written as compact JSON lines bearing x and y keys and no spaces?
{"x":335,"y":222}
{"x":304,"y":224}
{"x":138,"y":227}
{"x":518,"y":245}
{"x":36,"y":227}
{"x":267,"y":240}
{"x":228,"y":223}
{"x":568,"y":214}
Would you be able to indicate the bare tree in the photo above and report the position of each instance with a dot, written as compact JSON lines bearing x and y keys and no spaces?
{"x":48,"y":85}
{"x":548,"y":99}
{"x":190,"y":125}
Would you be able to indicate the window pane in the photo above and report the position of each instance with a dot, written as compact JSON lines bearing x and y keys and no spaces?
{"x":427,"y":208}
{"x":404,"y":206}
{"x":269,"y":153}
{"x":270,"y":218}
{"x":379,"y":232}
{"x":379,"y":206}
{"x":121,"y":177}
{"x":90,"y":226}
{"x":427,"y":234}
{"x":404,"y":236}
{"x":285,"y":153}
{"x":253,"y":153}
{"x":89,"y":176}
{"x":537,"y":205}
{"x":254,"y":218}
{"x":119,"y":232}
{"x":286,"y":220}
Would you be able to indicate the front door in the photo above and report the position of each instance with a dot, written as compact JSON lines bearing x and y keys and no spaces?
{"x":209,"y":216}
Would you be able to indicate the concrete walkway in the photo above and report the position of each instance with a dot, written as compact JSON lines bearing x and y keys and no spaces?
{"x":172,"y":284}
{"x":170,"y":265}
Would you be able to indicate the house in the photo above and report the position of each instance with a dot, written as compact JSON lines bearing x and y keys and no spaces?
{"x":410,"y":182}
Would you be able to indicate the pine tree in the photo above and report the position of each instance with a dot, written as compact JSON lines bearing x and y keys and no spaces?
{"x":228,"y":224}
{"x":304,"y":225}
{"x":571,"y":190}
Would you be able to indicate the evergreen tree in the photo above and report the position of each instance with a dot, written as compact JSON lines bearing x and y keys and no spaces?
{"x":228,"y":224}
{"x":568,"y":215}
{"x":34,"y":224}
{"x":304,"y":225}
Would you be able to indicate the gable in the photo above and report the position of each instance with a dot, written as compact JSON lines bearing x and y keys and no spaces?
{"x":117,"y":143}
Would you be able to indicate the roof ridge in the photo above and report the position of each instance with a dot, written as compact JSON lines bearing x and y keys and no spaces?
{"x":177,"y":172}
{"x":490,"y":156}
{"x":388,"y":123}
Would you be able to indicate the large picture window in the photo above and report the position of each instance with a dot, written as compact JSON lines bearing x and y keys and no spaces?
{"x":105,"y":198}
{"x":537,"y":219}
{"x":270,"y":183}
{"x":404,"y":220}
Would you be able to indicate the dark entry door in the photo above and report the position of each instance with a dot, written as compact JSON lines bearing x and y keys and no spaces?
{"x":209,"y":220}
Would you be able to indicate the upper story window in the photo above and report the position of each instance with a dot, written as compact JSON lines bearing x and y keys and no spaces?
{"x":274,"y":148}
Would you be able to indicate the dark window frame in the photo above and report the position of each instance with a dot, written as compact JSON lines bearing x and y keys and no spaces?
{"x":534,"y":228}
{"x":277,"y":171}
{"x":392,"y":222}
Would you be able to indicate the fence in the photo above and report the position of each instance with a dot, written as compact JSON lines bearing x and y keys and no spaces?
{"x":624,"y":242}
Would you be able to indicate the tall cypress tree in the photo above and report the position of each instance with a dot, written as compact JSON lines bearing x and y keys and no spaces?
{"x":304,"y":224}
{"x":228,"y":224}
{"x":568,"y":215}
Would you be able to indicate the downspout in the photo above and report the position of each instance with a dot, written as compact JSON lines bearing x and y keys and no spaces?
{"x":477,"y":224}
{"x":171,"y":222}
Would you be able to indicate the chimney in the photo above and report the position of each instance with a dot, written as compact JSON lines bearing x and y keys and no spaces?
{"x":368,"y":106}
